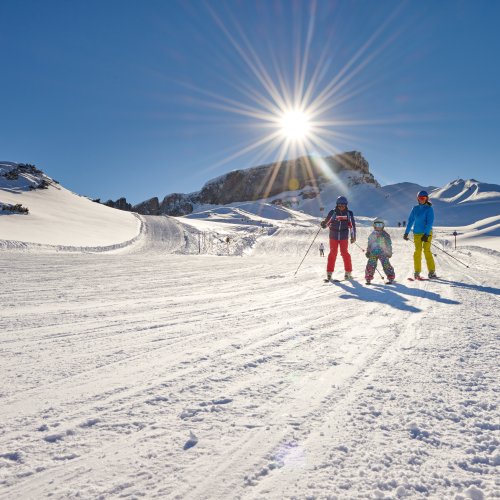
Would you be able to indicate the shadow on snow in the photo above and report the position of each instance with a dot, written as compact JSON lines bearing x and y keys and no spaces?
{"x":469,"y":286}
{"x":392,"y":295}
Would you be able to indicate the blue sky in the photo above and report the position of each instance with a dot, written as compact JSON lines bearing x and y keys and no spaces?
{"x":145,"y":98}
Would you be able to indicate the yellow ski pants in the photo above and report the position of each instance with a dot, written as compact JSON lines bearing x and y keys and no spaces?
{"x":417,"y":256}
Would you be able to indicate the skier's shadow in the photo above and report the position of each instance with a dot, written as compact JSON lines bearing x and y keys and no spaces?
{"x":469,"y":286}
{"x":390,"y":294}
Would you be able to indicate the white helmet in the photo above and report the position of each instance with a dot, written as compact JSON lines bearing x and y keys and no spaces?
{"x":379,"y":223}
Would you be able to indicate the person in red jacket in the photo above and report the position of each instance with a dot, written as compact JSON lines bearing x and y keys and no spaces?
{"x":341,"y":223}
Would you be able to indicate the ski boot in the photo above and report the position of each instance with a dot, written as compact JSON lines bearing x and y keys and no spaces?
{"x":368,"y":281}
{"x":432,"y":275}
{"x":328,"y":277}
{"x":390,"y":281}
{"x":416,"y":276}
{"x":348,"y":276}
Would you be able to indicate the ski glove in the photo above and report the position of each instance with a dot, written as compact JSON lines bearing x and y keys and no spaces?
{"x":425,"y":238}
{"x":323,"y":224}
{"x":353,"y":239}
{"x":367,"y":255}
{"x":405,"y":237}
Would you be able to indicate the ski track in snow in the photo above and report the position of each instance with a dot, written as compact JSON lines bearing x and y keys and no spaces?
{"x":148,"y":372}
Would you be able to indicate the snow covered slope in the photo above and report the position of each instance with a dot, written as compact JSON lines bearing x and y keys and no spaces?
{"x":466,"y":202}
{"x":161,"y":373}
{"x":459,"y":203}
{"x":57,"y":217}
{"x":194,"y":361}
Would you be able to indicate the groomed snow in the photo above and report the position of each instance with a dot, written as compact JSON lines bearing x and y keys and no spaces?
{"x":186,"y":365}
{"x":58,"y":217}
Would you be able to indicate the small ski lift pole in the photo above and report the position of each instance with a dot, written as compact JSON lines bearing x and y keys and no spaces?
{"x":314,"y":239}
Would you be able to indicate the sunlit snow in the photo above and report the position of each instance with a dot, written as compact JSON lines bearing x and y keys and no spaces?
{"x":164,"y":357}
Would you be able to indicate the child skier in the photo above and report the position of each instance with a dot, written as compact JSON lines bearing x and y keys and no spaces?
{"x":379,"y":248}
{"x":341,"y":223}
{"x":422,"y":219}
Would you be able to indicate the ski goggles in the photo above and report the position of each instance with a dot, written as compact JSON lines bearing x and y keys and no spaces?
{"x":421,"y":198}
{"x":378,"y":224}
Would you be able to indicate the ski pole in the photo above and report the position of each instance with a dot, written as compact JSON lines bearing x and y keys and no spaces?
{"x":449,"y":255}
{"x":314,"y":239}
{"x":363,"y":250}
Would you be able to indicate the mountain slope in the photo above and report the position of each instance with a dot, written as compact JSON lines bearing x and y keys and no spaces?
{"x":57,"y":216}
{"x":292,"y":388}
{"x":305,"y":175}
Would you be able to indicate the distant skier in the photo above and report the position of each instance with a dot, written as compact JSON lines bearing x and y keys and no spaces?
{"x":379,"y":248}
{"x":341,"y":222}
{"x":422,"y":219}
{"x":321,"y":250}
{"x":399,"y":224}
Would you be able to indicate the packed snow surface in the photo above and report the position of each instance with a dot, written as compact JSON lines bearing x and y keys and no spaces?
{"x":58,"y":217}
{"x":197,"y":362}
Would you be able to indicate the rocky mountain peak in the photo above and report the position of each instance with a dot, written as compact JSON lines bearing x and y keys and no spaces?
{"x":306,"y":174}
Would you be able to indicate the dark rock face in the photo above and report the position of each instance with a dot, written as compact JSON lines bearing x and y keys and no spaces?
{"x":148,"y":207}
{"x":177,"y":204}
{"x":120,"y":204}
{"x":269,"y":180}
{"x":36,"y":178}
{"x":307,"y":173}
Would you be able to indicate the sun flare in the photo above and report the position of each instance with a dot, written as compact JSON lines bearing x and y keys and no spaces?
{"x":295,"y":125}
{"x":296,"y":109}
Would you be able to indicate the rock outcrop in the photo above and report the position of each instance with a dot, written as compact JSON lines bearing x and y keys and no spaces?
{"x":305,"y":175}
{"x":120,"y":204}
{"x":148,"y":207}
{"x":292,"y":175}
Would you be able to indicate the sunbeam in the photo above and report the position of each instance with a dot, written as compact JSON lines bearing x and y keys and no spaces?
{"x":295,"y":110}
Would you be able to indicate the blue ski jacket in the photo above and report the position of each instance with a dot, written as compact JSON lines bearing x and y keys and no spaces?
{"x":340,"y":222}
{"x":421,"y":218}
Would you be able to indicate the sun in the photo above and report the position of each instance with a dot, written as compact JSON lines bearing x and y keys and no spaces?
{"x":295,"y":125}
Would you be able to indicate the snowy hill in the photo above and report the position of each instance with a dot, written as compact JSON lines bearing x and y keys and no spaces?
{"x":57,"y":217}
{"x":60,"y":218}
{"x":459,"y":203}
{"x":195,"y":359}
{"x":466,"y":202}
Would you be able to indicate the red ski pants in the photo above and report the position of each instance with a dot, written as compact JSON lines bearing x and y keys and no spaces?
{"x":332,"y":256}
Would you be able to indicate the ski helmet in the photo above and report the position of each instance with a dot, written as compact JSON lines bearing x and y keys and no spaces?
{"x":379,"y":223}
{"x":341,"y":200}
{"x":421,"y":194}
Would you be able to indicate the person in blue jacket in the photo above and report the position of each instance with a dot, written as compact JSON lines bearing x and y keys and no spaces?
{"x":422,"y":219}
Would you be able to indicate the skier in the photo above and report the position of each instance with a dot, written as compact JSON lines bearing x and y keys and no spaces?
{"x":321,"y":250}
{"x":379,"y":248}
{"x":421,"y":219}
{"x":341,"y":222}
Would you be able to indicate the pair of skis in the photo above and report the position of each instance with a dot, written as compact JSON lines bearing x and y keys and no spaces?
{"x":423,"y":279}
{"x":326,"y":280}
{"x":386,"y":282}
